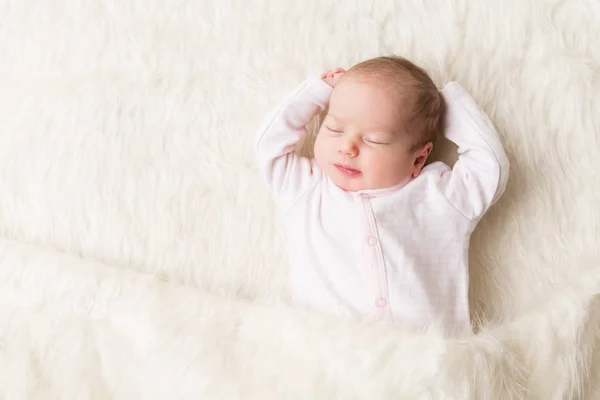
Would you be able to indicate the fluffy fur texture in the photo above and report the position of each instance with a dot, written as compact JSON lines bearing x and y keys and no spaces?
{"x":140,"y":255}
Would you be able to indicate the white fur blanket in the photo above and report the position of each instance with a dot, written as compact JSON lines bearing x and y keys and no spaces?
{"x":139,"y":250}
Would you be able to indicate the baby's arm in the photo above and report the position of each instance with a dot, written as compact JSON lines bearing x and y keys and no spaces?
{"x":287,"y":174}
{"x":479,"y":176}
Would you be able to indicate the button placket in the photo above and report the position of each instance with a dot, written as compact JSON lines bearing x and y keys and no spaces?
{"x":372,"y":241}
{"x":373,"y":259}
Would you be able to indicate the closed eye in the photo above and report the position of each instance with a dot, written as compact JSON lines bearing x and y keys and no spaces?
{"x":375,"y":141}
{"x":334,"y":130}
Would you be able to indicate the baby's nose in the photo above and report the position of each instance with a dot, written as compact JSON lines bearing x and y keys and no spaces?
{"x":349,"y":147}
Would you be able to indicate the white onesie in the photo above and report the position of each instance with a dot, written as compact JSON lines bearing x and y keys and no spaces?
{"x":398,"y":254}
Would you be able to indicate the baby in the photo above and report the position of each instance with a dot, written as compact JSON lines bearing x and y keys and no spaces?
{"x":372,"y":231}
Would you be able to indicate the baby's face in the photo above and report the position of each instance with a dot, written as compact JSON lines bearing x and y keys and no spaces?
{"x":360,"y":145}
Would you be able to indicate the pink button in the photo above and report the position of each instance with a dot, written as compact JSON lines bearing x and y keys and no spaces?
{"x":371,"y":240}
{"x":381,"y":302}
{"x":365,"y":196}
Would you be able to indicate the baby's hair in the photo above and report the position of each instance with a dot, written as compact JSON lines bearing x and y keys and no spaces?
{"x":427,"y":117}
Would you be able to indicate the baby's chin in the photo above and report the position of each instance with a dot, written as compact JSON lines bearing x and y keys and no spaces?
{"x":346,"y":184}
{"x":349,"y":187}
{"x":353,"y":184}
{"x":360,"y":183}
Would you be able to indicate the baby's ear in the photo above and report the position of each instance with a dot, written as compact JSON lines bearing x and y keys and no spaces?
{"x":426,"y":149}
{"x":421,"y":158}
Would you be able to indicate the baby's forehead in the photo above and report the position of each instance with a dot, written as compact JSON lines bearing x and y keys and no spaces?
{"x":382,"y":119}
{"x":397,"y":88}
{"x":367,"y":96}
{"x":400,"y":81}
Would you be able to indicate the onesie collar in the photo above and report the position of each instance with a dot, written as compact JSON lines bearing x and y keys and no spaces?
{"x":384,"y":191}
{"x":337,"y":191}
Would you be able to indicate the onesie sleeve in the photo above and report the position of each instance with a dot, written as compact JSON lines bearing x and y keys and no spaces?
{"x":479,"y":177}
{"x":286,"y":173}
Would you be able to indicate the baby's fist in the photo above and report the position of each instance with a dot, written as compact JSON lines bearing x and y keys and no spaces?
{"x":332,"y":77}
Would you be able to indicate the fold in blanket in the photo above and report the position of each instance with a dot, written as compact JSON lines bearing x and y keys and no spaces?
{"x":78,"y":329}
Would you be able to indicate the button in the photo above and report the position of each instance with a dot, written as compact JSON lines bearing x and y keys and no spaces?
{"x":371,"y":240}
{"x":381,"y":302}
{"x":365,"y":196}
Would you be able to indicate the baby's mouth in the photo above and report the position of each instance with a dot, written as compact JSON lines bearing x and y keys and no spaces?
{"x":347,"y":170}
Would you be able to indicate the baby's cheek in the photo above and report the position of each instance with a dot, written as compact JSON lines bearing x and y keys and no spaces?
{"x":382,"y":160}
{"x":318,"y":151}
{"x":388,"y":166}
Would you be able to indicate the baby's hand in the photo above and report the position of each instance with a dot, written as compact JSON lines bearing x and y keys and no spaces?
{"x":332,"y":77}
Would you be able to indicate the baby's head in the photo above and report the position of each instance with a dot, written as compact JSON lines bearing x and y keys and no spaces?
{"x":384,"y":116}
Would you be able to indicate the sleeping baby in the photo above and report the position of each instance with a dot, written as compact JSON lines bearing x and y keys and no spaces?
{"x":373,"y":231}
